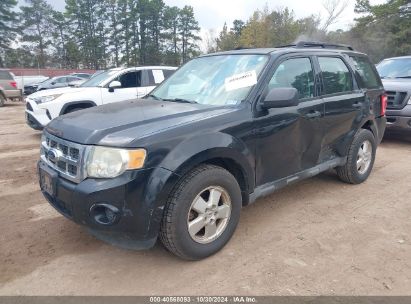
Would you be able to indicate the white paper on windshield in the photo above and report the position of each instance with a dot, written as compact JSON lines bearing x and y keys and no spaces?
{"x":240,"y":81}
{"x":158,"y":76}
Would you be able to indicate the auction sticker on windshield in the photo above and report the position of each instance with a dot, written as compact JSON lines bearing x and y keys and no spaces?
{"x":239,"y":81}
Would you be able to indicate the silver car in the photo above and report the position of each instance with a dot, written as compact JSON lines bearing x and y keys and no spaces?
{"x":57,"y":82}
{"x":8,"y":87}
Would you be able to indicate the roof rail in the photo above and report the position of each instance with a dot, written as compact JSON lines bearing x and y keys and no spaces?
{"x":323,"y":45}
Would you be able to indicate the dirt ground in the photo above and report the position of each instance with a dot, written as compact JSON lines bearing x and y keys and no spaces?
{"x":319,"y":237}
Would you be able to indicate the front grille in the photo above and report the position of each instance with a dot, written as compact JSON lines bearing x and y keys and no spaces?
{"x":396,"y":100}
{"x":63,"y":156}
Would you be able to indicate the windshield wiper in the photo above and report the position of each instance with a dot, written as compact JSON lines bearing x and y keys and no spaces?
{"x":403,"y":77}
{"x":153,"y":96}
{"x":181,"y":100}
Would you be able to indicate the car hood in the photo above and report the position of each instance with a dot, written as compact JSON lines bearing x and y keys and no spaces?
{"x":398,"y":84}
{"x":56,"y":91}
{"x":122,"y":123}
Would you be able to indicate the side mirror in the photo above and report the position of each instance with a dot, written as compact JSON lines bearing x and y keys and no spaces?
{"x":114,"y":85}
{"x":53,"y":83}
{"x":281,"y":98}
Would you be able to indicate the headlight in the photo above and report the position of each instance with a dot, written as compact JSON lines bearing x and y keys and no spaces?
{"x":409,"y":101}
{"x":48,"y":98}
{"x":106,"y":162}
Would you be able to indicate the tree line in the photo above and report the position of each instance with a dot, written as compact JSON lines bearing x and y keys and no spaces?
{"x":96,"y":34}
{"x":381,"y":31}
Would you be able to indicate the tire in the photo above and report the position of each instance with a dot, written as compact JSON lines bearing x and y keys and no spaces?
{"x":183,"y":207}
{"x":2,"y":100}
{"x":350,"y":172}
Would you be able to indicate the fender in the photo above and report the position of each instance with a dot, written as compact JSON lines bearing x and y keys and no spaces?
{"x":81,"y":102}
{"x":196,"y":150}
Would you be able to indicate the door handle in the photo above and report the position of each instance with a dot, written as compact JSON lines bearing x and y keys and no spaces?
{"x":357,"y":105}
{"x":313,"y":114}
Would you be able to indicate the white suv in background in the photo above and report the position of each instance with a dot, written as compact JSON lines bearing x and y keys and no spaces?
{"x":113,"y":85}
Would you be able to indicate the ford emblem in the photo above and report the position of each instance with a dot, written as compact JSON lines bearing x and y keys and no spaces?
{"x":53,"y":155}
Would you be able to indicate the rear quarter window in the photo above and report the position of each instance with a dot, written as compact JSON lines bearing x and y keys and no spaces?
{"x":367,"y":72}
{"x":6,"y":75}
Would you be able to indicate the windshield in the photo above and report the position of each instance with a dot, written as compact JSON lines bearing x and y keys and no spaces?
{"x":98,"y":79}
{"x":395,"y":68}
{"x":213,"y":80}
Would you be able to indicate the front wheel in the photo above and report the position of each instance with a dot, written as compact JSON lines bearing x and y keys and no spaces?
{"x":360,"y":159}
{"x":202,"y":213}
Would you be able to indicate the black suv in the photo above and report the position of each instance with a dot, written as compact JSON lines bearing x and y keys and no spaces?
{"x":223,"y":131}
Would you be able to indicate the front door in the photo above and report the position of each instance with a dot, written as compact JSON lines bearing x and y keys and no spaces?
{"x":130,"y":82}
{"x":288,"y":140}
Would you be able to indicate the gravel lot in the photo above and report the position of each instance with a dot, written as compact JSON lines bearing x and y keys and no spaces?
{"x":319,"y":237}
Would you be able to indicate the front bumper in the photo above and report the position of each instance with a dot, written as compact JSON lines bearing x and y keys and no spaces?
{"x":399,"y":120}
{"x":32,"y":122}
{"x":138,"y":196}
{"x":37,"y":115}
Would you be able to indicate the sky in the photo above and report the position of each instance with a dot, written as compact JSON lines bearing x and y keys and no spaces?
{"x":212,"y":14}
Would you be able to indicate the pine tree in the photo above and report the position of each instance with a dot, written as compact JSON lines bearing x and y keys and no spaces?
{"x":8,"y":29}
{"x":188,"y":31}
{"x":37,"y":19}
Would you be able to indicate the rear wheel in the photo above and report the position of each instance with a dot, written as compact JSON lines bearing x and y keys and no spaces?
{"x":360,"y":159}
{"x":202,"y":213}
{"x":2,"y":100}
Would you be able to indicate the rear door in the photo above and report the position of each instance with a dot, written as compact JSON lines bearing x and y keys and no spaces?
{"x":345,"y":103}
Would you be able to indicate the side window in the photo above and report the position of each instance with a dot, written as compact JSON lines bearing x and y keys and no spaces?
{"x":70,"y":79}
{"x":336,"y":76}
{"x":297,"y":73}
{"x":61,"y":80}
{"x":155,"y":77}
{"x":367,"y":72}
{"x":130,"y":79}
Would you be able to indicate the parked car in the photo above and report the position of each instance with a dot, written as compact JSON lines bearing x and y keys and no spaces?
{"x":396,"y":77}
{"x":57,"y":82}
{"x":221,"y":132}
{"x":77,"y":83}
{"x":110,"y":86}
{"x":31,"y":86}
{"x":8,"y":87}
{"x":82,"y":75}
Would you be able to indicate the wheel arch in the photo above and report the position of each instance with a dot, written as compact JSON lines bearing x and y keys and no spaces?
{"x":226,"y":162}
{"x":219,"y":149}
{"x":367,"y":124}
{"x":370,"y":125}
{"x":84,"y":104}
